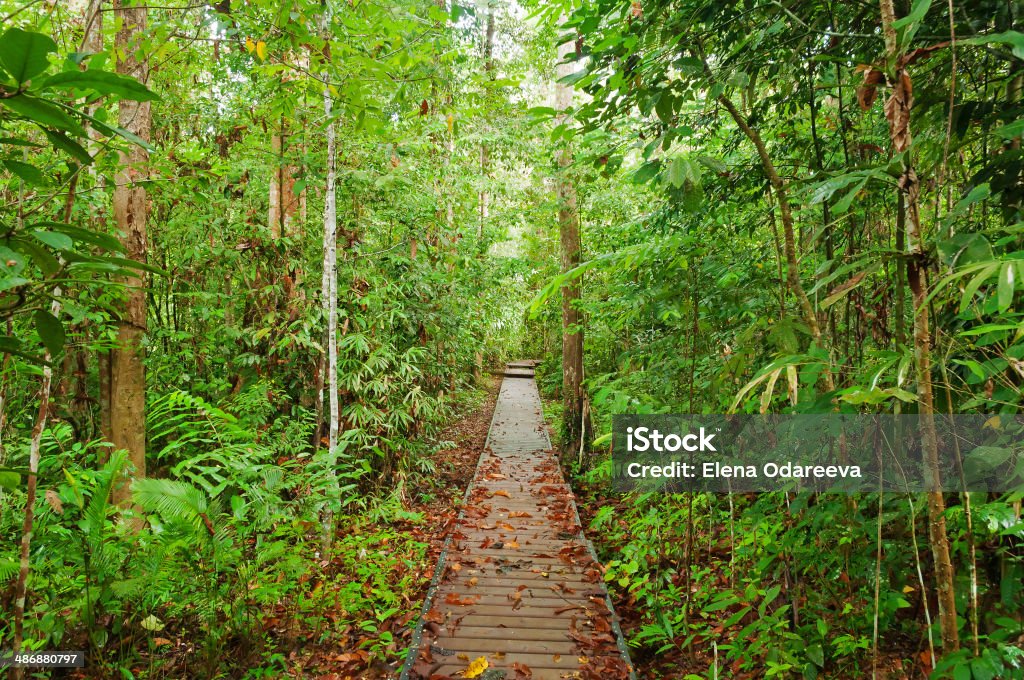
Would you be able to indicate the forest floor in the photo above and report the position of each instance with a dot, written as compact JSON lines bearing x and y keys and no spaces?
{"x":435,"y":500}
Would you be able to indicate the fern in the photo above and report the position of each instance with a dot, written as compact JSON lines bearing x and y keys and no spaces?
{"x":8,"y":568}
{"x":175,"y":501}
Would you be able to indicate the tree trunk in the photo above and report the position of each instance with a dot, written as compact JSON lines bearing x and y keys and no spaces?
{"x":127,"y":370}
{"x":897,"y":112}
{"x":329,"y":286}
{"x":485,"y":152}
{"x":575,"y":421}
{"x":21,"y":587}
{"x":283,"y":201}
{"x":92,"y":43}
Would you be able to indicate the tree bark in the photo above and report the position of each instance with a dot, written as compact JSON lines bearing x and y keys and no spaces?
{"x":92,"y":42}
{"x":329,"y":285}
{"x":28,"y":525}
{"x":485,"y":152}
{"x":283,"y":201}
{"x":575,"y":420}
{"x":127,"y":368}
{"x":897,"y":110}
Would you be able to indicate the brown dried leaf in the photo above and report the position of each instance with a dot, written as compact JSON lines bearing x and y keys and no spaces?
{"x":522,"y":671}
{"x":54,"y":500}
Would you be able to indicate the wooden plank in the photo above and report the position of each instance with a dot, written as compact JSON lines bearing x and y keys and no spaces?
{"x":562,"y":610}
{"x":465,"y":632}
{"x":511,"y":620}
{"x":490,"y":646}
{"x":518,"y":575}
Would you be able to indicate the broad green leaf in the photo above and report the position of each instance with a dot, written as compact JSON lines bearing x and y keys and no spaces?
{"x":1006,"y":286}
{"x":24,"y":54}
{"x":26,"y":171}
{"x":51,"y":331}
{"x":80,"y":235}
{"x":917,"y":12}
{"x":971,"y":289}
{"x":646,"y":172}
{"x":102,"y":82}
{"x":573,"y":78}
{"x":43,"y":113}
{"x":989,"y":328}
{"x":961,"y":672}
{"x":679,"y":171}
{"x":1011,"y":130}
{"x":816,"y":654}
{"x":843,"y":204}
{"x":15,"y":141}
{"x":53,"y":239}
{"x":1014,"y":39}
{"x":69,"y":146}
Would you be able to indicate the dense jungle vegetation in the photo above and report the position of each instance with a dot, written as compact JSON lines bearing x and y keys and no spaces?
{"x":258,"y":257}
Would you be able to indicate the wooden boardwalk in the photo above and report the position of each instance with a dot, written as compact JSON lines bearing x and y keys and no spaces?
{"x":518,"y":584}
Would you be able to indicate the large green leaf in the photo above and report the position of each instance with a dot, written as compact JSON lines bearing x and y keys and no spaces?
{"x":51,"y":331}
{"x":43,"y":113}
{"x":1006,"y":286}
{"x":24,"y":54}
{"x":69,"y":146}
{"x":102,"y":82}
{"x":26,"y":171}
{"x":1014,"y":39}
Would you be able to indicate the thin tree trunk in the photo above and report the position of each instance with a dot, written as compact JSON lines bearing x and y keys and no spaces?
{"x":127,"y":370}
{"x":330,"y":291}
{"x":575,"y":425}
{"x":485,"y":152}
{"x":788,"y":230}
{"x":897,"y":110}
{"x":21,"y":587}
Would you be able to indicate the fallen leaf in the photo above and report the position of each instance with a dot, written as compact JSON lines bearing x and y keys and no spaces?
{"x":523,"y":672}
{"x":477,"y":668}
{"x":453,"y":598}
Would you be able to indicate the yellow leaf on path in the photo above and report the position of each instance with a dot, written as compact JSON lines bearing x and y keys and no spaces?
{"x":261,"y":50}
{"x":476,"y":669}
{"x":501,"y":492}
